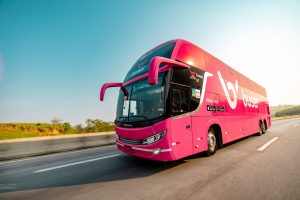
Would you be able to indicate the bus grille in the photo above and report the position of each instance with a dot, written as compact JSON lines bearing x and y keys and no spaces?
{"x":137,"y":142}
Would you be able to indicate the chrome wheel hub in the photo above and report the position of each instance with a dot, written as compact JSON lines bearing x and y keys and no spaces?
{"x":211,"y":141}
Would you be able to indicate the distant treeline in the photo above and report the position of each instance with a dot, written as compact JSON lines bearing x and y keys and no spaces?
{"x":288,"y":112}
{"x":280,"y":107}
{"x":57,"y":126}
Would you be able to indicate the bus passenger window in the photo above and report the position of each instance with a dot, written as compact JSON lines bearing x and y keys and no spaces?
{"x":179,"y":102}
{"x":181,"y":76}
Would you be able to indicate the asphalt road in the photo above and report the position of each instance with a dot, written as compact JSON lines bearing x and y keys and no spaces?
{"x":241,"y":170}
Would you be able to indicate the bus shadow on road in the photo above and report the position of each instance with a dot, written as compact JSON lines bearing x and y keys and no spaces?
{"x":122,"y":167}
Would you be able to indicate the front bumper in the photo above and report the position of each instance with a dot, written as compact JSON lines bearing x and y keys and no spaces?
{"x":165,"y":154}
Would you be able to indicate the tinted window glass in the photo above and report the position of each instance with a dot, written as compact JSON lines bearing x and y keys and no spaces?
{"x":196,"y":78}
{"x":196,"y":82}
{"x":145,"y":102}
{"x":141,"y":65}
{"x":181,"y":76}
{"x":192,"y":78}
{"x":179,"y":101}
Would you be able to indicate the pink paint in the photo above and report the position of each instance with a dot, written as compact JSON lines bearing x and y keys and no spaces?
{"x":108,"y":85}
{"x":162,"y":69}
{"x":238,"y":106}
{"x":145,"y":151}
{"x":135,"y":79}
{"x":154,"y":66}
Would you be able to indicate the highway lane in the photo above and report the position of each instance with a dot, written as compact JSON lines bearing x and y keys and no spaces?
{"x":238,"y":171}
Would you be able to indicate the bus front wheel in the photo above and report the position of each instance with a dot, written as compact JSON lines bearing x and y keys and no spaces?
{"x":211,"y":142}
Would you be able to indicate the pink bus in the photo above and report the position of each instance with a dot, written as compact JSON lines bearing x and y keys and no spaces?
{"x":178,"y":100}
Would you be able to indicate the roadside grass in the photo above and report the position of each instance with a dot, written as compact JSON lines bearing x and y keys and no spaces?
{"x":5,"y":135}
{"x":57,"y":128}
{"x":285,"y":117}
{"x":28,"y":130}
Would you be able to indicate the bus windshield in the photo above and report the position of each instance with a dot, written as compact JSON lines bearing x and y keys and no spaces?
{"x":144,"y":102}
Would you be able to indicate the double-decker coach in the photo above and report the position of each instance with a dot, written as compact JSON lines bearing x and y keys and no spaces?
{"x":178,"y":100}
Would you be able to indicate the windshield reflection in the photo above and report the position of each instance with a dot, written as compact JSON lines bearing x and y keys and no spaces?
{"x":144,"y":102}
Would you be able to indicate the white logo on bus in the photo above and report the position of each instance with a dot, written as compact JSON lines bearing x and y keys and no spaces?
{"x":206,"y":75}
{"x":230,"y":87}
{"x":249,"y":101}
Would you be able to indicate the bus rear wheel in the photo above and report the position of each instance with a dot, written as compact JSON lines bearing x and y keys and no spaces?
{"x":211,"y":142}
{"x":265,"y":126}
{"x":261,"y":129}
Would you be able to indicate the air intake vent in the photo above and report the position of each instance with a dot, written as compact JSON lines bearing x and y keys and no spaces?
{"x":136,"y":142}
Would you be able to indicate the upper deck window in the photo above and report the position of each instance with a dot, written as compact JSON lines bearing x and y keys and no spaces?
{"x":141,"y":65}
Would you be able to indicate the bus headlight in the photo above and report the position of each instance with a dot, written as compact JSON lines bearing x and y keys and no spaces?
{"x":154,"y":138}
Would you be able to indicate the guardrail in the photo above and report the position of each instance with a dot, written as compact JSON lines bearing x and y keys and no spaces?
{"x":20,"y":148}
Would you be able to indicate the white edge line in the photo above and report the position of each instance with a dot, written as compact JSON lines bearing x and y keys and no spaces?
{"x":75,"y":163}
{"x":263,"y":147}
{"x":50,"y":155}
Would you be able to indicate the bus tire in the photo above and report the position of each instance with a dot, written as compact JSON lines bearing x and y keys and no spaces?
{"x":265,"y":126}
{"x":261,"y":129}
{"x":211,"y":142}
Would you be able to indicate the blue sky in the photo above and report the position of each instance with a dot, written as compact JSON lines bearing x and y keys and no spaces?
{"x":56,"y":54}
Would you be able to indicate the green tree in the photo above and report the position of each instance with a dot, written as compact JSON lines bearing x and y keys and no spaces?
{"x":79,"y":128}
{"x":90,"y":126}
{"x":67,"y":128}
{"x":56,"y":125}
{"x":97,"y":125}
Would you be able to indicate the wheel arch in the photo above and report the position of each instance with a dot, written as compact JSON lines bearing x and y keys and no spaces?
{"x":215,"y":124}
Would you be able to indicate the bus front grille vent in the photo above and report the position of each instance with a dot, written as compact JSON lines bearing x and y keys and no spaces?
{"x":136,"y":142}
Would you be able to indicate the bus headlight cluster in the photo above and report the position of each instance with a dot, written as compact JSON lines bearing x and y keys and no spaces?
{"x":154,"y":138}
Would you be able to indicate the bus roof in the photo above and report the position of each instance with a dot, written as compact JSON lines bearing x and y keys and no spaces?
{"x":208,"y":62}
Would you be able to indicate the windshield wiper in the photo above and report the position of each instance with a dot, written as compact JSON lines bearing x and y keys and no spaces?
{"x":118,"y":119}
{"x":146,"y":118}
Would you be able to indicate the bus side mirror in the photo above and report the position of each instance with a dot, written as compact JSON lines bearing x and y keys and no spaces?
{"x":108,"y":85}
{"x":154,"y":67}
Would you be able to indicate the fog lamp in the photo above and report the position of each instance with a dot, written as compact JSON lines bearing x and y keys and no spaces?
{"x":156,"y":151}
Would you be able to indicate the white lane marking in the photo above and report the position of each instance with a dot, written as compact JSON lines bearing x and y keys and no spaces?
{"x":263,"y":147}
{"x":52,"y":154}
{"x":75,"y":163}
{"x":296,"y":125}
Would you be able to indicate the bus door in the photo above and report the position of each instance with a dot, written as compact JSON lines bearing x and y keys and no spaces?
{"x":180,"y":121}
